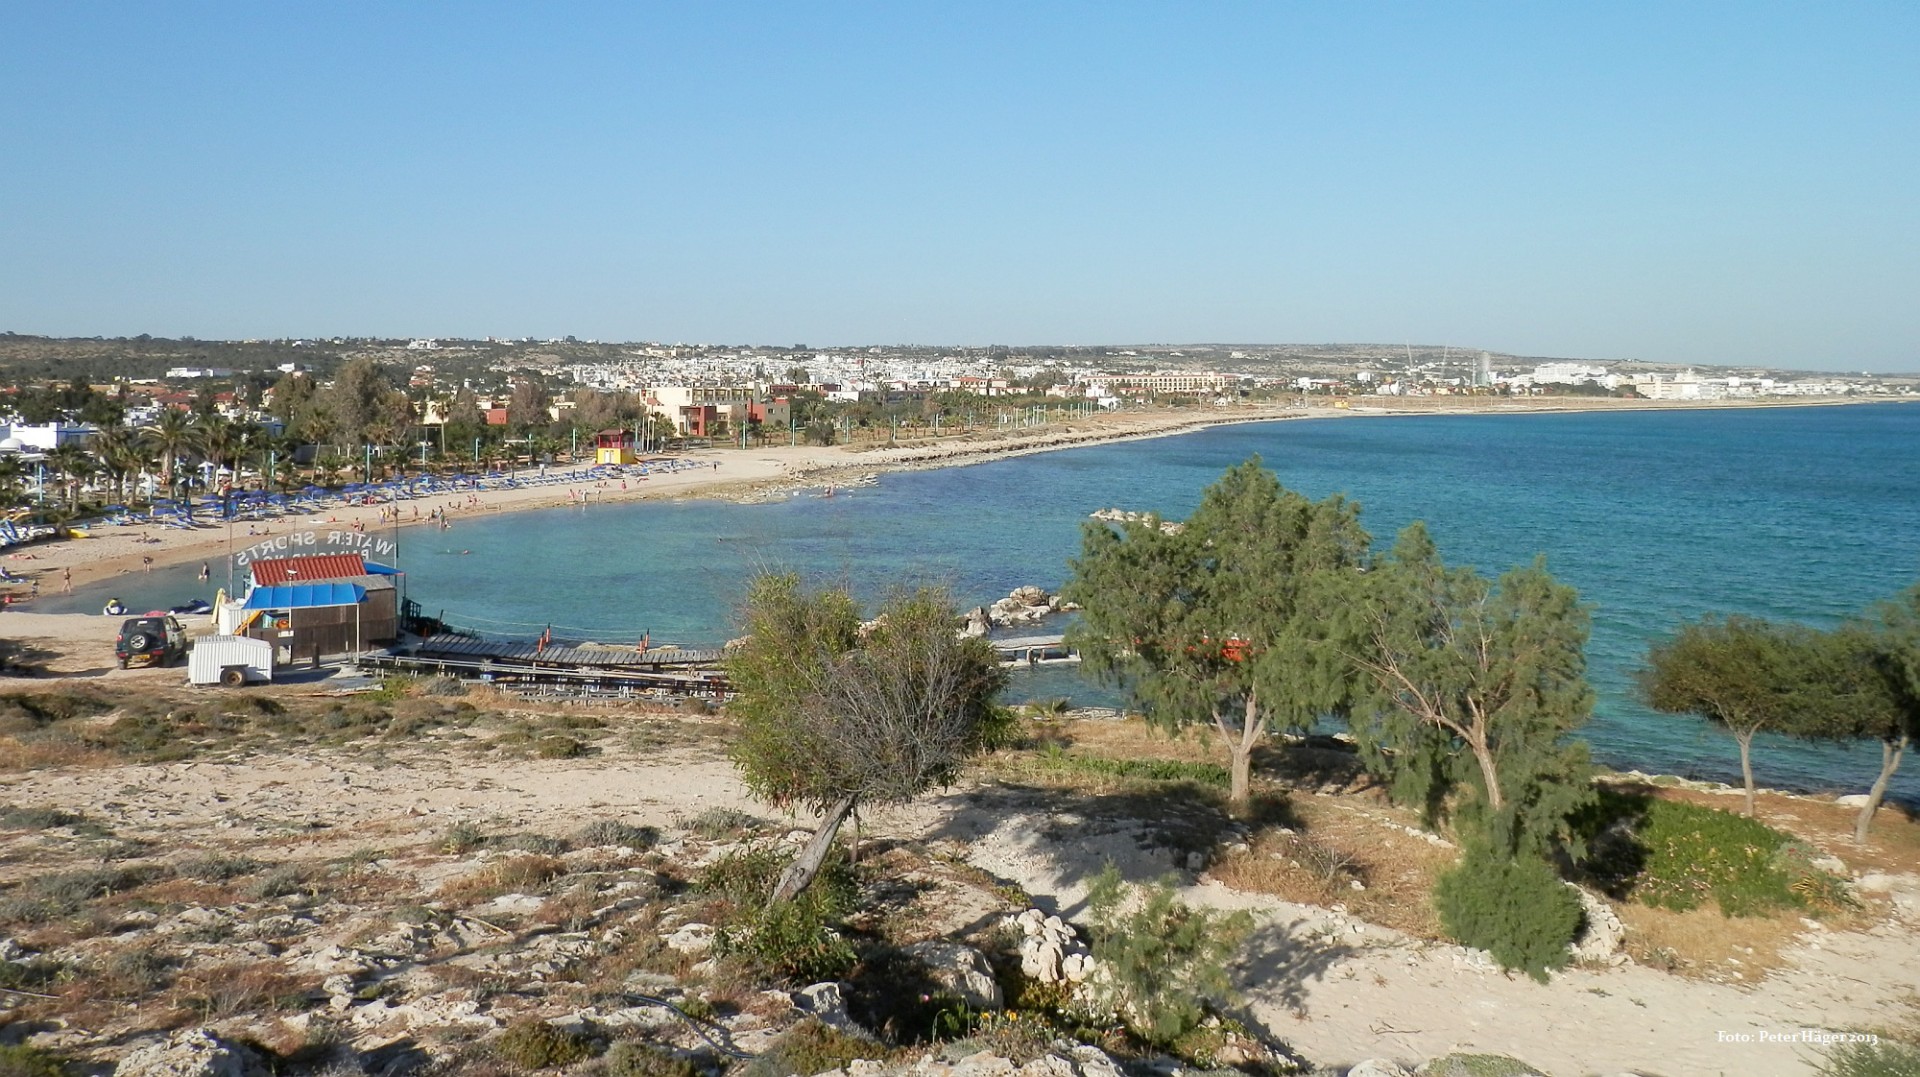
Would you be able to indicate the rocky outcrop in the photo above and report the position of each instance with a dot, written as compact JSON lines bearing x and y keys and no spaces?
{"x":1602,"y":934}
{"x":193,"y":1052}
{"x":1025,"y":606}
{"x":1130,"y":516}
{"x":961,"y":971}
{"x":1051,"y":950}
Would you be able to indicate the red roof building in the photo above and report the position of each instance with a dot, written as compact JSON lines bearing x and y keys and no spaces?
{"x":312,"y":568}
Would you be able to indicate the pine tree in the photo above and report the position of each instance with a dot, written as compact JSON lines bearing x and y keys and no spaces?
{"x":1227,"y":619}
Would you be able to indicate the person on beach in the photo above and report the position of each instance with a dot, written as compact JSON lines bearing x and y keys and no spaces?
{"x":146,"y":563}
{"x":206,"y":573}
{"x":66,"y":580}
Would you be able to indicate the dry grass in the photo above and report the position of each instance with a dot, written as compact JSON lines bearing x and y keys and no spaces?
{"x":1132,"y":739}
{"x":1333,"y":845}
{"x":233,"y":990}
{"x":515,"y":875}
{"x":1703,"y":944}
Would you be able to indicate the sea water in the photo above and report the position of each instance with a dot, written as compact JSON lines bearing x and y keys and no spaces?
{"x":1807,"y":514}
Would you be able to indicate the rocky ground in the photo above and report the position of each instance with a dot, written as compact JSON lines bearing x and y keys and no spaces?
{"x":459,"y":884}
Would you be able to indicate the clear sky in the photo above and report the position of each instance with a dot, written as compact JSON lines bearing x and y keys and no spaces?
{"x":1717,"y":183}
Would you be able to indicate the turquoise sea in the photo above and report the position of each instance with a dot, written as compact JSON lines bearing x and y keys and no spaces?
{"x":1793,"y":513}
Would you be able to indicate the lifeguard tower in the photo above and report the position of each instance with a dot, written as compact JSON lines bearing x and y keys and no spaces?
{"x":613,"y":447}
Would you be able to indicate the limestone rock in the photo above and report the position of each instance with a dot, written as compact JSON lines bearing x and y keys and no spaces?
{"x":1046,"y":946}
{"x":1377,"y":1067}
{"x":691,"y":939}
{"x":961,"y":971}
{"x":1852,"y":800}
{"x":824,"y":1002}
{"x":193,"y":1052}
{"x":1603,"y":932}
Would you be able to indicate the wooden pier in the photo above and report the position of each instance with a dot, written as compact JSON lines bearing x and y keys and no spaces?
{"x":596,"y":669}
{"x":578,"y":668}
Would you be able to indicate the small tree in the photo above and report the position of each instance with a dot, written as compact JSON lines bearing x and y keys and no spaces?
{"x":1476,"y":684}
{"x":1745,"y":674}
{"x":1891,"y":711}
{"x":1160,"y":963}
{"x":835,"y":714}
{"x":1227,"y":619}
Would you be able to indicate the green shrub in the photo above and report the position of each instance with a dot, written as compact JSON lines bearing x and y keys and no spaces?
{"x":790,"y":940}
{"x":529,"y":842}
{"x":1477,"y":1066}
{"x":462,"y":838}
{"x":218,"y":868}
{"x":1675,"y":855}
{"x":536,"y":1045}
{"x":811,"y":1047}
{"x":1695,"y":854}
{"x":1877,"y":1058}
{"x":613,"y":832}
{"x":1517,"y":910}
{"x":14,"y":818}
{"x":630,"y":1058}
{"x":716,"y":823}
{"x":24,"y":1061}
{"x":794,"y":940}
{"x":35,"y":975}
{"x":559,"y":747}
{"x":1163,"y":963}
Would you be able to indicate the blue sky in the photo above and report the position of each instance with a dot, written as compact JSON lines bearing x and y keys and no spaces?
{"x":1715,"y":183}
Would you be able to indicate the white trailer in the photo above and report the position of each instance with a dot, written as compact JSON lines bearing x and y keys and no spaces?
{"x":230,"y":660}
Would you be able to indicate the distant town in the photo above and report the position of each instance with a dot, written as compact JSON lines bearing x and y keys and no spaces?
{"x":267,"y":413}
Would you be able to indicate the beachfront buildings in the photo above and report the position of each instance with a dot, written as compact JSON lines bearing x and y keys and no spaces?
{"x":1178,"y":382}
{"x":717,"y":411}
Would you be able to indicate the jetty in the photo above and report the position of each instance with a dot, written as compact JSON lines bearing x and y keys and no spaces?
{"x":1034,"y":650}
{"x":575,"y":668}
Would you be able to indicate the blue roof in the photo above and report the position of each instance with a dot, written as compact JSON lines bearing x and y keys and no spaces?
{"x":304,"y":596}
{"x":374,"y":569}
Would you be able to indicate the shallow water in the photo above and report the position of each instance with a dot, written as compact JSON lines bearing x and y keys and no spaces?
{"x":1657,"y":517}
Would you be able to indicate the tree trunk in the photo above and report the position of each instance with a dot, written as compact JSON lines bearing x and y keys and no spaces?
{"x":1489,"y":773}
{"x":1240,"y":750}
{"x":1746,"y":766}
{"x":807,"y":864}
{"x":1890,"y":755}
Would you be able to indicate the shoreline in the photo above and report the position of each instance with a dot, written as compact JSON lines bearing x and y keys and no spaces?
{"x":756,"y":474}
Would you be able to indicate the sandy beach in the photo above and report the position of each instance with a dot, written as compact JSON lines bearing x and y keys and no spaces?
{"x":745,"y":474}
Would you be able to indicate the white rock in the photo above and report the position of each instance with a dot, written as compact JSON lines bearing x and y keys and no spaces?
{"x":961,"y":971}
{"x":1603,"y":932}
{"x":691,"y":939}
{"x":1852,"y":800}
{"x":825,"y":1002}
{"x":194,"y":1052}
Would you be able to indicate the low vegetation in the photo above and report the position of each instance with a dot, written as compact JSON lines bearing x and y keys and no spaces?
{"x":1675,"y":855}
{"x":1516,"y":909}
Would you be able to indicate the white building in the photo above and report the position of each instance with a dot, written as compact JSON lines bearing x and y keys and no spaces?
{"x":44,"y":436}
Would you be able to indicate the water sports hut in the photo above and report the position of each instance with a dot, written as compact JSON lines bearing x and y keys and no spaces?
{"x":315,"y":605}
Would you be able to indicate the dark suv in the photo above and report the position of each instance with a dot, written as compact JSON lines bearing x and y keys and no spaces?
{"x":157,"y":641}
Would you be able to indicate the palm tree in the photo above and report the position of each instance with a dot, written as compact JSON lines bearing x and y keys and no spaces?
{"x":11,"y":472}
{"x":74,"y":463}
{"x":172,"y":436}
{"x":118,"y":449}
{"x":217,"y":438}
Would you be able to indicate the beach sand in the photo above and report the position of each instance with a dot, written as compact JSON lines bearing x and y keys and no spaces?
{"x":745,"y":474}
